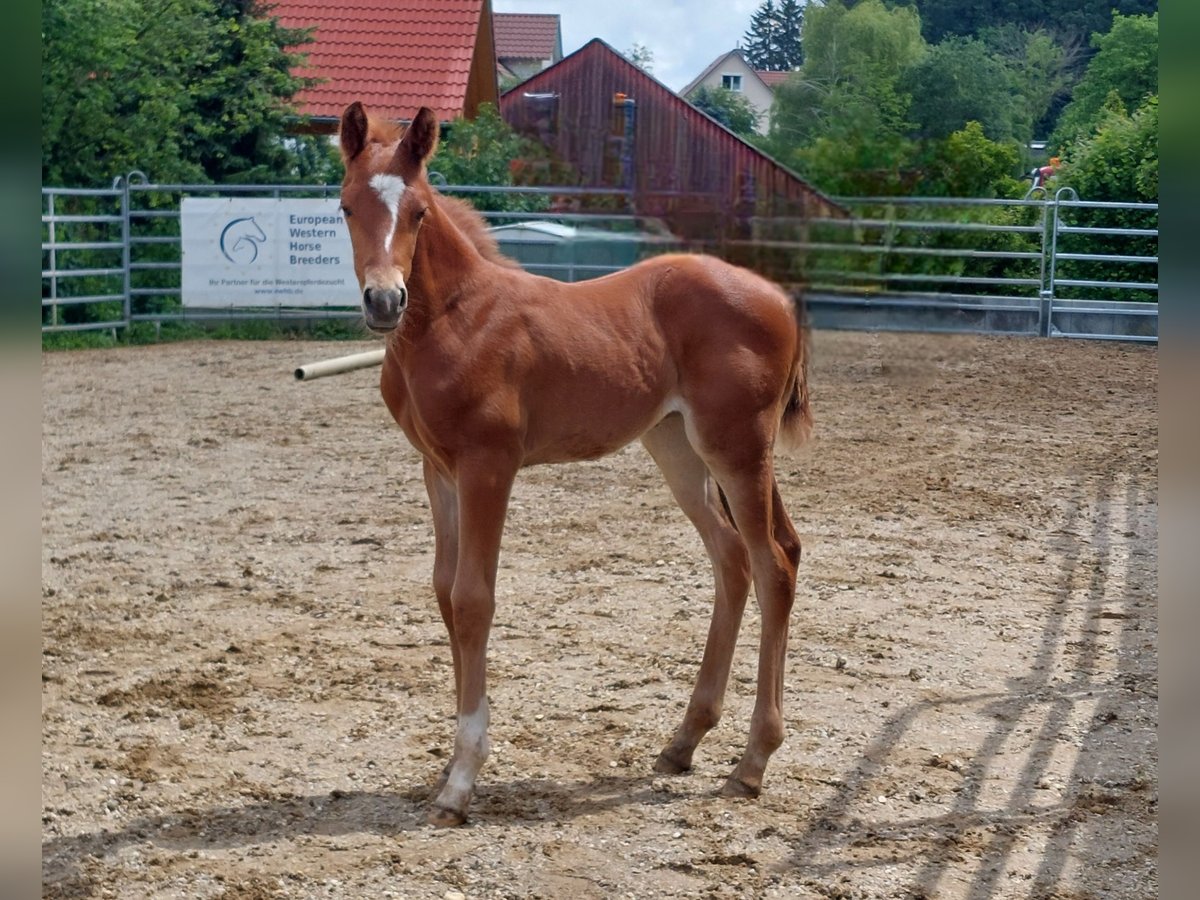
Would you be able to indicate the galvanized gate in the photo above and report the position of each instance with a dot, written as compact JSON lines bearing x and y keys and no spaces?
{"x":950,"y":264}
{"x":85,"y":258}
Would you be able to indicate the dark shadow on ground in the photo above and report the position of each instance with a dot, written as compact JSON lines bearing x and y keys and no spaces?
{"x":1103,"y":781}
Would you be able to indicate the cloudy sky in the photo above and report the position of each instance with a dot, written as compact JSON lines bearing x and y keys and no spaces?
{"x":684,"y":36}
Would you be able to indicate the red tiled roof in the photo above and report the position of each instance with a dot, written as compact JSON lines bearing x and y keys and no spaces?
{"x":393,"y":55}
{"x":527,"y":36}
{"x":772,"y":79}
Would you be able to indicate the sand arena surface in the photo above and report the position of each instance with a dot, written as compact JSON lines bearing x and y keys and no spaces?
{"x":247,"y":687}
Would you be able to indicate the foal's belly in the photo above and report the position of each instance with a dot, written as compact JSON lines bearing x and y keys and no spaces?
{"x":590,"y":429}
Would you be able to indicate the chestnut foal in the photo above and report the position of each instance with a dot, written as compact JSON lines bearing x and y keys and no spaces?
{"x":489,"y":369}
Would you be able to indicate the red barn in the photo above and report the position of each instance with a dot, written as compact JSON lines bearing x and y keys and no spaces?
{"x":620,"y":128}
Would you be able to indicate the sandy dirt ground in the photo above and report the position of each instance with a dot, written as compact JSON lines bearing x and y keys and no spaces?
{"x":247,"y":688}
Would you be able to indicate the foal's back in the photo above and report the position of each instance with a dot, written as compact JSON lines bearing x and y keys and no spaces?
{"x":597,"y":363}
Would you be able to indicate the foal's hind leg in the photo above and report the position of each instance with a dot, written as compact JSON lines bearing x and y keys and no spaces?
{"x":697,"y":495}
{"x":774,"y":556}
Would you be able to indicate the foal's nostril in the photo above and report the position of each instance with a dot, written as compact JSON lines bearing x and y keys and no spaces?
{"x":384,"y":306}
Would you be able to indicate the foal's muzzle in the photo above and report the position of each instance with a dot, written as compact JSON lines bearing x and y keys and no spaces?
{"x":383,"y":307}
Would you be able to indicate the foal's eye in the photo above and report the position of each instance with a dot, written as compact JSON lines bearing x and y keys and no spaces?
{"x":346,"y":211}
{"x":421,"y":213}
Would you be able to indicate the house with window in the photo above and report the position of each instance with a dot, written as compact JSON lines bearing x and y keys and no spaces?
{"x":732,"y":72}
{"x":526,"y":43}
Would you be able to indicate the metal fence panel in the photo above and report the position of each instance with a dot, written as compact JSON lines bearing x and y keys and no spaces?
{"x":1054,"y":266}
{"x":84,"y":260}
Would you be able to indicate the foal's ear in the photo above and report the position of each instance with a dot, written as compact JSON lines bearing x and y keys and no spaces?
{"x":420,"y":140}
{"x":353,"y":132}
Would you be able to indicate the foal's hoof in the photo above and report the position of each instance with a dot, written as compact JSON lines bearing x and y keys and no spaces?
{"x":440,"y":817}
{"x":738,"y":789}
{"x":667,"y":764}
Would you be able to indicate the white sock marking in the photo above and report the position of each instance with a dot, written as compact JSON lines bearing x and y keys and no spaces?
{"x":471,"y":748}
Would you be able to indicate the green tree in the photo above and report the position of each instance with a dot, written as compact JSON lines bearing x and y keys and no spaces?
{"x":859,"y":165}
{"x":243,"y":100}
{"x":641,"y":56}
{"x":773,"y":41}
{"x":969,"y":164}
{"x":1126,"y":62}
{"x":760,"y":40}
{"x":479,"y":150}
{"x":1119,"y":160}
{"x":1068,"y":19}
{"x":960,"y":81}
{"x":730,"y":108}
{"x":849,"y":87}
{"x":185,"y":90}
{"x":487,"y":151}
{"x":1042,"y":68}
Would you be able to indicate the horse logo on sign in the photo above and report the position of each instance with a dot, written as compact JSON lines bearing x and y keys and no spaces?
{"x":240,"y":240}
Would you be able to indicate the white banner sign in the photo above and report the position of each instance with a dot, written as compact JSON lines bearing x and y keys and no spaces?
{"x":249,"y":251}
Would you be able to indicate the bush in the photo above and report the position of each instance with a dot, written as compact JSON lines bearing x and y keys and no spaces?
{"x":1118,"y":162}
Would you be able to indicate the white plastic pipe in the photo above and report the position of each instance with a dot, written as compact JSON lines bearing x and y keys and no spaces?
{"x":339,"y":364}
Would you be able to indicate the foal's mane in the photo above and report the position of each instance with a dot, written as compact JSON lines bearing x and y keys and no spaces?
{"x":473,"y":227}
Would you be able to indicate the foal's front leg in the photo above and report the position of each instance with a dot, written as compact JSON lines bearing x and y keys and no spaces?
{"x":483,"y":489}
{"x":443,"y":503}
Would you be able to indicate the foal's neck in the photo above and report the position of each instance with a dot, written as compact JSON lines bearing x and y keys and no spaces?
{"x":444,"y":264}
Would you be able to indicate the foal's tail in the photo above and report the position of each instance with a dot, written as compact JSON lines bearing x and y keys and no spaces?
{"x":796,"y":424}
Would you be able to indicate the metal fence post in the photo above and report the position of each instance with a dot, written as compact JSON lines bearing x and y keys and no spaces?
{"x":53,"y":235}
{"x":1045,"y":295}
{"x":1048,"y":291}
{"x":126,"y":254}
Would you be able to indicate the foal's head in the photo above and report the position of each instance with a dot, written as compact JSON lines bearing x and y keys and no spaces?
{"x":385,"y":196}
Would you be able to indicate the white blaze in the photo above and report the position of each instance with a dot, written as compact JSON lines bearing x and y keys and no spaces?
{"x":390,"y":189}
